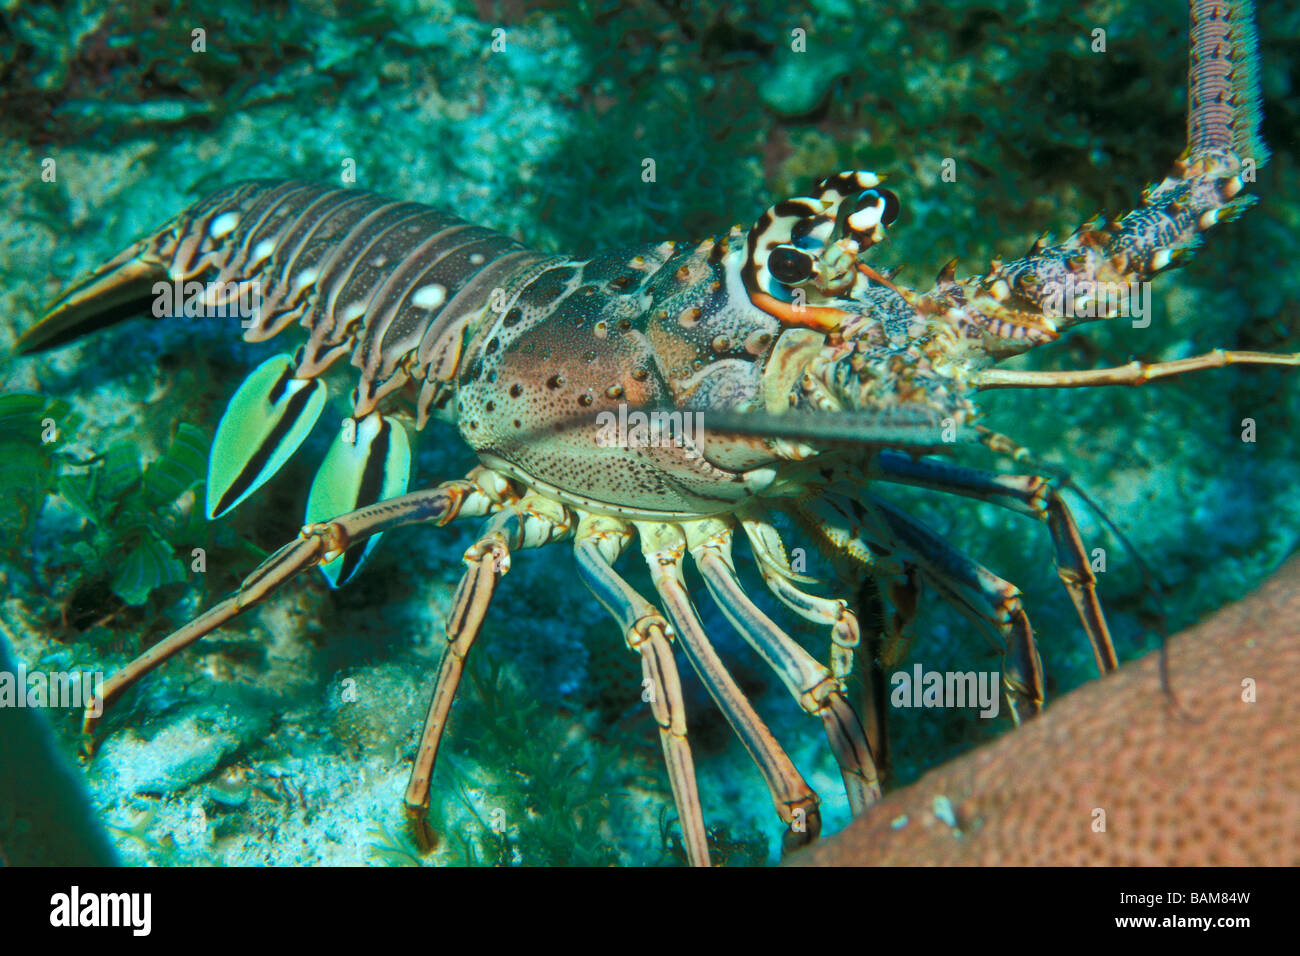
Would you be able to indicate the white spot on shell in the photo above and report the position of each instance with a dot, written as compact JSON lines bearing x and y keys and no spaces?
{"x":353,"y":312}
{"x":477,"y":258}
{"x":429,"y":296}
{"x":306,"y":278}
{"x":1160,"y":259}
{"x":262,"y":250}
{"x":223,"y":224}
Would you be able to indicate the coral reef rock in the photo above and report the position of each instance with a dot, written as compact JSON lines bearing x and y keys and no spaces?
{"x":1118,"y":773}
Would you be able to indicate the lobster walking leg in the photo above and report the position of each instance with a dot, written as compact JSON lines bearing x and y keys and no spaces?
{"x":1031,"y":495}
{"x":838,"y":524}
{"x":979,"y":594}
{"x":486,"y":561}
{"x":529,"y":522}
{"x":646,"y":632}
{"x":835,"y":612}
{"x":811,"y":684}
{"x":317,"y":544}
{"x":796,"y":804}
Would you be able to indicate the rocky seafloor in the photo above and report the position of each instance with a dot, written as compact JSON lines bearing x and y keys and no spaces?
{"x":287,"y":736}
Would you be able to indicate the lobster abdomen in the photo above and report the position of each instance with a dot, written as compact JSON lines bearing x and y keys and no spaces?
{"x":398,"y":286}
{"x":391,"y":283}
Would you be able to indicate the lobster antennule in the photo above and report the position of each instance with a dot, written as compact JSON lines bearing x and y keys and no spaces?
{"x":120,"y":289}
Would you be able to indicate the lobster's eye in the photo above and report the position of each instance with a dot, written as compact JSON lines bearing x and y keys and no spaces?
{"x":789,"y":265}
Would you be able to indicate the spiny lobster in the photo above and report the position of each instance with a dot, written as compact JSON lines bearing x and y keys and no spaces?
{"x":816,"y":375}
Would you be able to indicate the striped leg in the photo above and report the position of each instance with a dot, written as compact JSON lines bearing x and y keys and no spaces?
{"x":485,"y":562}
{"x":857,"y":543}
{"x":796,"y":804}
{"x":811,"y":684}
{"x":316,"y":544}
{"x":837,"y":525}
{"x":1027,"y":494}
{"x":599,"y":543}
{"x":846,"y":635}
{"x":979,"y":594}
{"x":528,"y":523}
{"x":832,"y":612}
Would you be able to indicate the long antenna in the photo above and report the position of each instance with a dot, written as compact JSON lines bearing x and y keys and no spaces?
{"x":1223,"y":94}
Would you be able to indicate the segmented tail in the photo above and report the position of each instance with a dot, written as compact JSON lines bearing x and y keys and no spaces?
{"x":1223,"y":80}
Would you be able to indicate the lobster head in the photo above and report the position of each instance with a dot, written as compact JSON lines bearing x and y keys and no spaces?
{"x":853,"y":341}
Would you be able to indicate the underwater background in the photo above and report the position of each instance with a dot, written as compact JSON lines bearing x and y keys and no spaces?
{"x":249,"y":748}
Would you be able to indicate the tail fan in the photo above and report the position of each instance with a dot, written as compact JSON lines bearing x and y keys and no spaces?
{"x":120,"y":289}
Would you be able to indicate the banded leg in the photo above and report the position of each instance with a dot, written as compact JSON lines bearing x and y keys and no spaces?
{"x":599,"y":543}
{"x":316,"y":544}
{"x":664,"y":547}
{"x":982,"y":596}
{"x":780,"y":579}
{"x":486,"y":561}
{"x":844,"y":528}
{"x":811,"y":684}
{"x":846,"y":631}
{"x":832,"y":523}
{"x":1030,"y":495}
{"x":529,"y":522}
